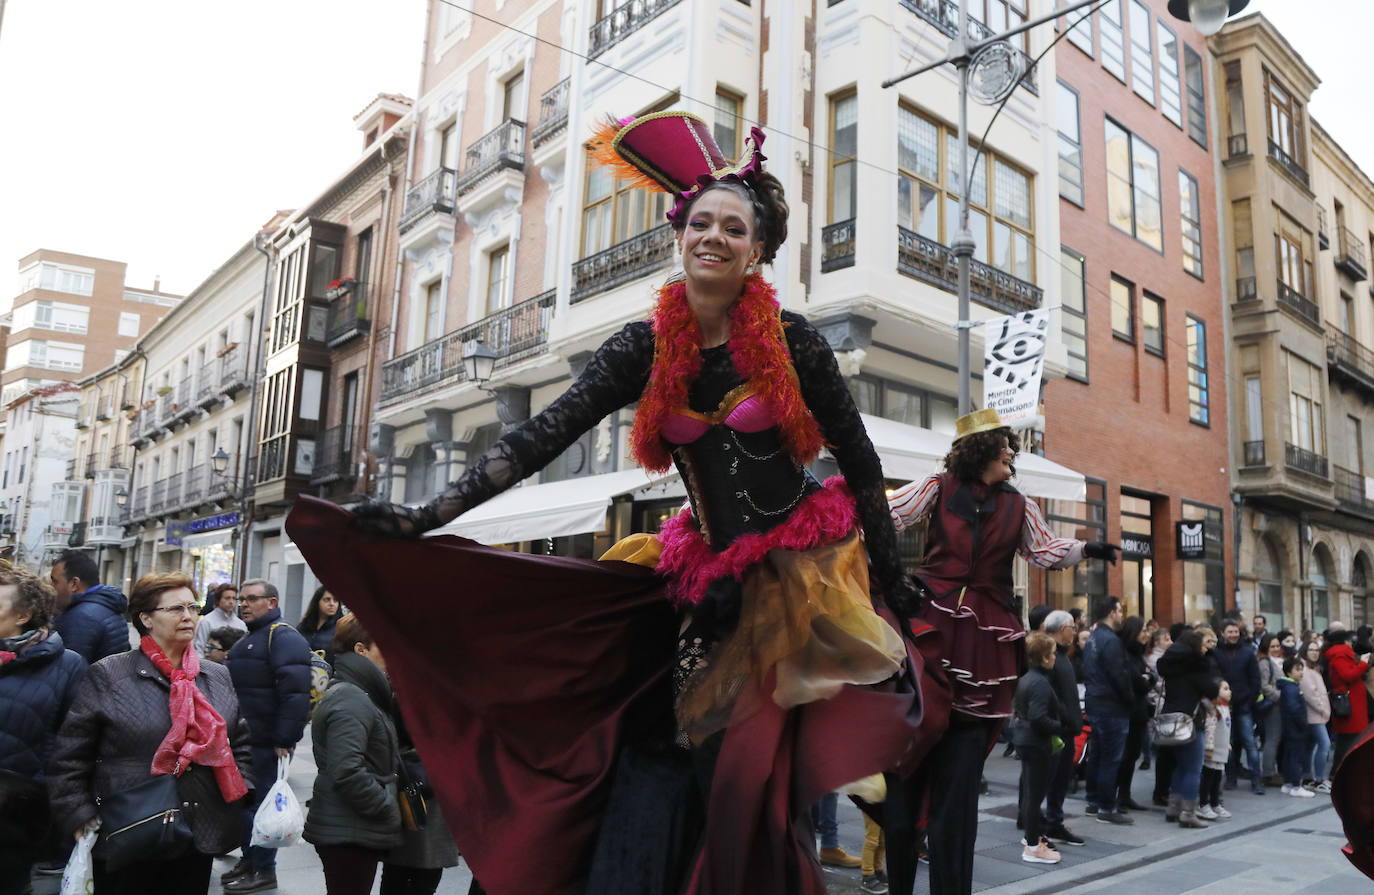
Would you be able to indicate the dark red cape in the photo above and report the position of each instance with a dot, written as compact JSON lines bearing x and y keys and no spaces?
{"x":519,"y":676}
{"x":1352,"y":792}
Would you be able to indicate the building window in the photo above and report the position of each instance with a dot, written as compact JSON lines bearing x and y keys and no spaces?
{"x":1197,"y":99}
{"x":729,"y":107}
{"x":23,"y":462}
{"x":56,"y":316}
{"x":448,"y":146}
{"x":1293,"y":248}
{"x":1204,"y":580}
{"x":1152,"y":323}
{"x":1235,"y":108}
{"x":1190,"y":216}
{"x":1355,"y":440}
{"x":128,"y":324}
{"x":1113,"y":42}
{"x":1133,"y":186}
{"x":434,"y":310}
{"x":1081,"y":32}
{"x":1169,"y":102}
{"x":1254,"y":416}
{"x":1142,"y":53}
{"x":844,"y":151}
{"x":1087,"y":521}
{"x":1073,"y":320}
{"x":513,"y":97}
{"x":1137,"y":556}
{"x":928,"y":196}
{"x":1070,"y":146}
{"x":613,"y":211}
{"x":498,"y":264}
{"x":1199,"y":407}
{"x":57,"y":278}
{"x":1285,"y":120}
{"x":904,"y":403}
{"x":1123,"y":308}
{"x":1305,"y":405}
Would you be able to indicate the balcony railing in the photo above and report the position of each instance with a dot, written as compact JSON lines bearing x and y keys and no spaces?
{"x":335,"y":451}
{"x":944,"y":15}
{"x":1246,"y":290}
{"x":233,"y":370}
{"x":193,"y":491}
{"x":1236,"y":146}
{"x":92,"y":463}
{"x":348,"y":316}
{"x":553,"y":114}
{"x":502,"y":148}
{"x":185,"y":390}
{"x":273,"y":458}
{"x":138,"y":506}
{"x":83,"y":414}
{"x":1348,"y":358}
{"x":837,"y":245}
{"x":207,"y":384}
{"x":1350,"y":490}
{"x":934,"y":263}
{"x":1351,"y":259}
{"x":126,"y":396}
{"x":1323,"y":239}
{"x":1254,"y":453}
{"x":623,"y":21}
{"x":1289,"y":164}
{"x":436,"y":193}
{"x":73,"y":469}
{"x":623,"y":262}
{"x":104,"y":407}
{"x":166,"y":406}
{"x":172,"y":499}
{"x":1293,"y":300}
{"x":1304,"y":460}
{"x":157,"y":496}
{"x":118,"y":458}
{"x":514,"y":333}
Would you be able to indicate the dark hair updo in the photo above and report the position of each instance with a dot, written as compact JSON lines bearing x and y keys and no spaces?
{"x":765,"y":196}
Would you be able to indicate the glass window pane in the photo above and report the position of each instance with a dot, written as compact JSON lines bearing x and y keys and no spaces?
{"x":1119,"y":208}
{"x":1142,"y":53}
{"x":1012,"y":190}
{"x":918,"y":145}
{"x":1148,"y":216}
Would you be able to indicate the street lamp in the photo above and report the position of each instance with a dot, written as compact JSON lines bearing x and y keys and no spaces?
{"x":999,"y":73}
{"x":219,"y":461}
{"x":479,"y":363}
{"x":121,"y":497}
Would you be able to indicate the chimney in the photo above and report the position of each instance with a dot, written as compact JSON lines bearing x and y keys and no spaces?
{"x":157,"y":283}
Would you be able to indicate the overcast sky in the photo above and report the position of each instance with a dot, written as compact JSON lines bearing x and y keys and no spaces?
{"x":164,"y":133}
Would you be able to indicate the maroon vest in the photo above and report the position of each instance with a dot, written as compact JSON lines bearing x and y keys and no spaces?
{"x":974,"y":533}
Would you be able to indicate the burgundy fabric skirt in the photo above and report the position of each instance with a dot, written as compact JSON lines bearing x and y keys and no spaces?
{"x":983,"y":653}
{"x":1352,"y":791}
{"x":522,"y":676}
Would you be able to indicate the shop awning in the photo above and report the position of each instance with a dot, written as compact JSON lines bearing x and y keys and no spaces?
{"x":572,"y":506}
{"x":910,"y":452}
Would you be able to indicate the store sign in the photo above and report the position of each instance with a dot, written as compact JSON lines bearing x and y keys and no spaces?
{"x":1138,"y":546}
{"x":175,"y":532}
{"x":1191,"y":539}
{"x":210,"y":523}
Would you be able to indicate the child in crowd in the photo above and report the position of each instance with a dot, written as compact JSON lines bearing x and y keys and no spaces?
{"x":1217,"y":749}
{"x":1039,"y":722}
{"x":1293,"y":711}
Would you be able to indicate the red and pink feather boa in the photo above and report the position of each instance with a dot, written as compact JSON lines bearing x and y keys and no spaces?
{"x":690,"y":563}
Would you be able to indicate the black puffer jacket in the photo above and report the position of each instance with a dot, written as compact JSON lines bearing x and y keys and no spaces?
{"x":271,"y":671}
{"x":36,"y":690}
{"x":1188,"y":677}
{"x":354,"y":741}
{"x":107,"y":743}
{"x":94,"y":626}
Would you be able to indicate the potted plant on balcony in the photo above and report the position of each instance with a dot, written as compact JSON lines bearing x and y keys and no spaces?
{"x":340,"y":287}
{"x":164,"y":390}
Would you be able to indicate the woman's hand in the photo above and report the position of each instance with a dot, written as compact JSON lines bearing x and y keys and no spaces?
{"x":394,"y":520}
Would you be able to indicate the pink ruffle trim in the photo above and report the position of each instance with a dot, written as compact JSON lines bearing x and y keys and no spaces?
{"x":690,"y":564}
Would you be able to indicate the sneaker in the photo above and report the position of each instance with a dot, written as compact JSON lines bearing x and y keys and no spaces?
{"x":1091,"y":809}
{"x":1145,"y":764}
{"x":1257,"y":787}
{"x":873,"y":885}
{"x":1063,"y":835}
{"x":1323,"y":787}
{"x":1041,"y":854}
{"x":1301,"y":793}
{"x":242,"y":868}
{"x":253,"y":881}
{"x":838,"y":857}
{"x":1221,"y":812}
{"x":1206,"y":813}
{"x":1114,"y":817}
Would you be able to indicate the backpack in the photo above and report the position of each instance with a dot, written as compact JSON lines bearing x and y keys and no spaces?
{"x":319,"y":672}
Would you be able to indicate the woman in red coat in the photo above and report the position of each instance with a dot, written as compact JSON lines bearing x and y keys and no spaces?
{"x":1346,"y":675}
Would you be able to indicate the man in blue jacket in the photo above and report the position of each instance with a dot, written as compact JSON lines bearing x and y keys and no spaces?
{"x":270,"y":667}
{"x":92,"y":622}
{"x":1237,"y":662}
{"x":1108,"y":697}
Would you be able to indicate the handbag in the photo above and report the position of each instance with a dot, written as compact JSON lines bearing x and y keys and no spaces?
{"x":143,"y":822}
{"x":411,"y":797}
{"x":1340,"y":705}
{"x":1173,"y":729}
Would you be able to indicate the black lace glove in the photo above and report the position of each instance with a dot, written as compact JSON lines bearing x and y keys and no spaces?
{"x":394,"y":520}
{"x":1101,"y":550}
{"x":905,"y":596}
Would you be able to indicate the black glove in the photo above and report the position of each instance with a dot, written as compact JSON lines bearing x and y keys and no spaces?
{"x":905,"y":596}
{"x":393,"y":520}
{"x":1101,"y":550}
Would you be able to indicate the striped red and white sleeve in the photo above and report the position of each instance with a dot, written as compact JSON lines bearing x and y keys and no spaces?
{"x":912,"y":502}
{"x":1040,"y":546}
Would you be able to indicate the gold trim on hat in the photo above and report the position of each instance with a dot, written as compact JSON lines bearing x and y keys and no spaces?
{"x":985,"y":420}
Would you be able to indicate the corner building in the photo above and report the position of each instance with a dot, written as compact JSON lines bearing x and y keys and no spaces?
{"x":1141,"y":411}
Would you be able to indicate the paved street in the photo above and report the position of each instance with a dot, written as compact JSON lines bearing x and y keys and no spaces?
{"x":1273,"y":840}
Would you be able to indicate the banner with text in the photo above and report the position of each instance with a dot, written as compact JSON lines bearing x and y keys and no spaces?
{"x":1013,"y":360}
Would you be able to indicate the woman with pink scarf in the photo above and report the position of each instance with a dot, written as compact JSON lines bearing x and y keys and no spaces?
{"x":156,"y":710}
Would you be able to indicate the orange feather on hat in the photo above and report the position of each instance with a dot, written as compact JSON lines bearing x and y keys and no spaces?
{"x":601,"y":145}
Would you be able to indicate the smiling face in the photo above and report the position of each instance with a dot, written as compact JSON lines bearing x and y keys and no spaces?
{"x":1209,"y":642}
{"x":999,"y":468}
{"x":1313,"y":652}
{"x":718,"y":243}
{"x":1275,"y":649}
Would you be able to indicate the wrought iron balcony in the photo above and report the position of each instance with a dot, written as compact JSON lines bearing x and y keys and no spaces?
{"x":127,"y":396}
{"x":118,"y":457}
{"x":1304,"y":460}
{"x":623,"y":262}
{"x":348,"y":316}
{"x":92,"y":463}
{"x":273,"y":458}
{"x":502,"y":148}
{"x":1297,"y":303}
{"x":138,"y":506}
{"x":207,"y":385}
{"x":166,"y":406}
{"x":1289,"y":164}
{"x":944,"y":15}
{"x":436,"y":193}
{"x":157,"y":496}
{"x":184,"y":408}
{"x":335,"y":454}
{"x":514,"y":333}
{"x":1237,"y":146}
{"x":172,"y":499}
{"x":104,"y":407}
{"x":623,"y":21}
{"x":83,"y":414}
{"x":1323,"y":239}
{"x":233,"y":370}
{"x":73,"y":469}
{"x":1350,"y":258}
{"x":934,"y":263}
{"x":1350,"y":492}
{"x":193,"y":491}
{"x":1254,"y":453}
{"x":553,"y":114}
{"x":1348,"y":359}
{"x":837,"y":245}
{"x":1246,"y":289}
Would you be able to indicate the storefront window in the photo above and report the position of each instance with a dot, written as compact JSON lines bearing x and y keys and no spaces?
{"x":1204,"y":580}
{"x":1137,"y":557}
{"x":1086,"y":521}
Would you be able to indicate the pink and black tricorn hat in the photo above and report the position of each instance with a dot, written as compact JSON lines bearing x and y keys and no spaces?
{"x":674,"y":153}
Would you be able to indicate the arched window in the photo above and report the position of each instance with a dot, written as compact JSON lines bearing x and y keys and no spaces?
{"x":1270,"y":584}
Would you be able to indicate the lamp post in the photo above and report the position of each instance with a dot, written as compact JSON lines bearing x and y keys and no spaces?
{"x":479,"y":363}
{"x":1000,"y":72}
{"x":219,"y":461}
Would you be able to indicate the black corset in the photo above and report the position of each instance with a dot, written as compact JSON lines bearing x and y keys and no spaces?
{"x":741,"y":482}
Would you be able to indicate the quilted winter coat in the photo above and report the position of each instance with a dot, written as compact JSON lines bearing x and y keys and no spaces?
{"x":94,"y":625}
{"x":36,"y":690}
{"x":271,"y":671}
{"x":106,"y":745}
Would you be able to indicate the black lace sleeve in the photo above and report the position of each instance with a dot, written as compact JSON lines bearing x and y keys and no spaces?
{"x":615,"y":377}
{"x":827,"y":396}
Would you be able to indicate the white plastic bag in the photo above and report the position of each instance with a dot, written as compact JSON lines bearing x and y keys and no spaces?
{"x":279,"y":821}
{"x":78,"y":878}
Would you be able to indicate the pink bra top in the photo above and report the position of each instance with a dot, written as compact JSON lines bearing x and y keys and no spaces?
{"x":750,"y":414}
